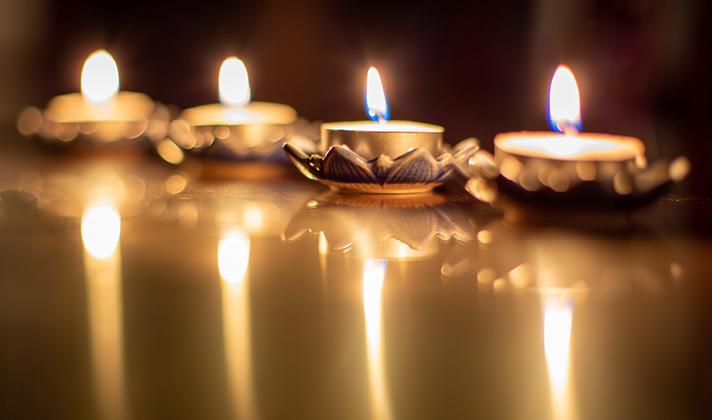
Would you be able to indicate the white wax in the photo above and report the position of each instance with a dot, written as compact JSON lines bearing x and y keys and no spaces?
{"x":123,"y":107}
{"x":384,"y":127}
{"x":252,"y":113}
{"x":583,"y":146}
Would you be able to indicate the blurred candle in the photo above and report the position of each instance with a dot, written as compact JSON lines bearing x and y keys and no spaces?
{"x":236,"y":106}
{"x":568,"y":143}
{"x":100,"y":99}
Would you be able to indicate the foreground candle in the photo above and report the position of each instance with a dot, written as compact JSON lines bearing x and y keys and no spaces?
{"x":379,"y":136}
{"x":100,"y":111}
{"x":381,"y":156}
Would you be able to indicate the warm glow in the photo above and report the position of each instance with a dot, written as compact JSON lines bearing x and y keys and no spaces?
{"x":100,"y":77}
{"x":564,"y":101}
{"x":233,"y":260}
{"x":557,"y":341}
{"x":374,"y":274}
{"x":233,"y":256}
{"x":558,"y":322}
{"x":376,"y":104}
{"x":233,"y":83}
{"x":101,"y":231}
{"x":101,"y":228}
{"x":253,"y":217}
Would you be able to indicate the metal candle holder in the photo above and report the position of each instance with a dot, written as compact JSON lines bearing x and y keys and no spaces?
{"x":149,"y":121}
{"x":381,"y":162}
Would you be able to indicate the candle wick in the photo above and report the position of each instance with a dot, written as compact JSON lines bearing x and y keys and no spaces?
{"x":567,"y":128}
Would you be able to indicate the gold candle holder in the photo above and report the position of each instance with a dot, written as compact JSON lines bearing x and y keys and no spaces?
{"x":371,"y":139}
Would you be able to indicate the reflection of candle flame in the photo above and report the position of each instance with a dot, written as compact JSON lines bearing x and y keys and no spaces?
{"x":564,"y":101}
{"x":101,"y":231}
{"x":376,"y":104}
{"x":373,"y":277}
{"x":100,"y":77}
{"x":233,"y":260}
{"x":233,"y":82}
{"x":233,"y":256}
{"x":558,"y":322}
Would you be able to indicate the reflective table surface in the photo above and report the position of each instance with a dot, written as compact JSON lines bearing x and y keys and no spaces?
{"x":131,"y":290}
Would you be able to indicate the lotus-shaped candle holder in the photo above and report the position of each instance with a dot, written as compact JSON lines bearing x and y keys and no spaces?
{"x":415,"y":171}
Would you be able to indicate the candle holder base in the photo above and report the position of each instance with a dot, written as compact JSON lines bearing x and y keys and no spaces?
{"x":627,"y":188}
{"x":416,"y":171}
{"x":61,"y":134}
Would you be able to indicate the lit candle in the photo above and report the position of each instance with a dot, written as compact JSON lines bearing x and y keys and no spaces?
{"x":99,"y":111}
{"x":236,"y":121}
{"x":100,"y":99}
{"x":567,"y":157}
{"x":379,"y":136}
{"x":381,"y":156}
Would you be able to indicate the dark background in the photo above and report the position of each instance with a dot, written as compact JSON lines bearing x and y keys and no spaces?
{"x":478,"y":67}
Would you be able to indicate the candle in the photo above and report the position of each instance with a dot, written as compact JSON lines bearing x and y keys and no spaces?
{"x":100,"y":99}
{"x":379,"y":136}
{"x":99,"y":112}
{"x":237,"y":122}
{"x":561,"y":159}
{"x":382,"y":156}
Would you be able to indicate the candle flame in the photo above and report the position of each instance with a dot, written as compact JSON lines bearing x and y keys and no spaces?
{"x":100,"y":77}
{"x":564,"y":101}
{"x":376,"y":104}
{"x":233,"y":82}
{"x":101,"y":229}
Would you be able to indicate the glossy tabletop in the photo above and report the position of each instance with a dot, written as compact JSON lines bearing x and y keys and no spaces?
{"x":132,"y":290}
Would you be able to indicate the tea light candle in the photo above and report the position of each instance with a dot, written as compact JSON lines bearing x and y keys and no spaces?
{"x":99,"y":111}
{"x":379,"y":136}
{"x":236,"y":118}
{"x":558,"y":160}
{"x":100,"y":99}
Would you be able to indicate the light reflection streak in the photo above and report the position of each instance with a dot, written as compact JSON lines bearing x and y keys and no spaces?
{"x":101,"y":232}
{"x":233,"y":261}
{"x":558,"y":322}
{"x":323,"y":249}
{"x":373,"y":278}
